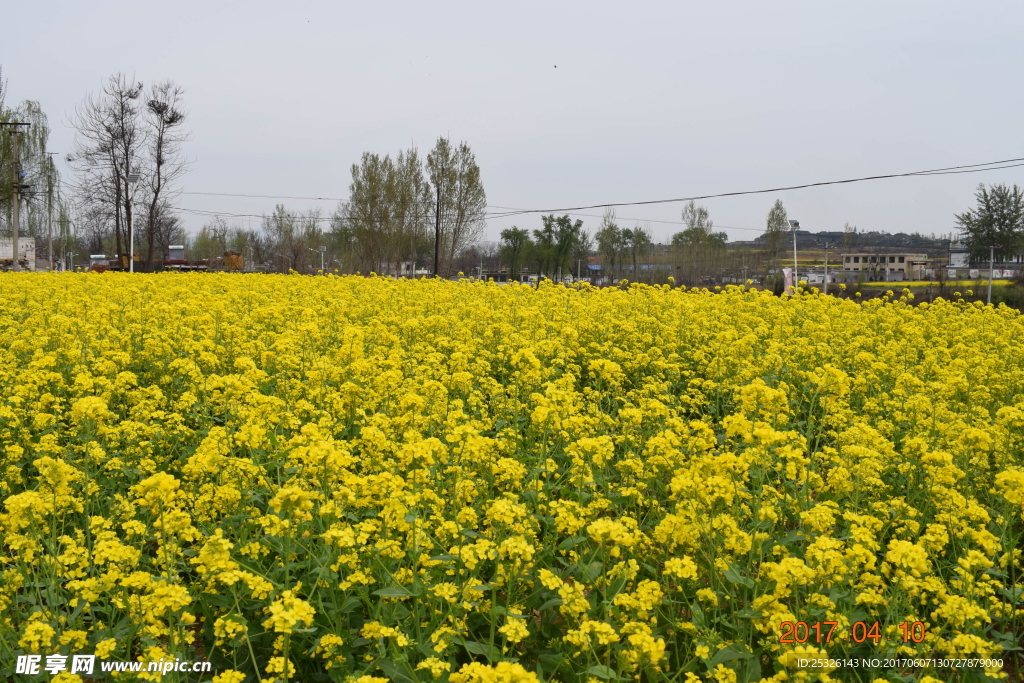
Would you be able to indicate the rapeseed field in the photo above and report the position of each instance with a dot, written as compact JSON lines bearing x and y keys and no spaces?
{"x":369,"y":480}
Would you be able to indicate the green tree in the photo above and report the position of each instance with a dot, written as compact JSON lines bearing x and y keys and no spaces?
{"x":699,"y":228}
{"x":610,"y":244}
{"x":37,"y":168}
{"x":515,"y":248}
{"x":555,"y":244}
{"x":699,"y":248}
{"x":849,"y":236}
{"x":637,"y":244}
{"x":459,"y":199}
{"x":581,"y":253}
{"x":776,"y":226}
{"x":388,"y":211}
{"x":997,"y":221}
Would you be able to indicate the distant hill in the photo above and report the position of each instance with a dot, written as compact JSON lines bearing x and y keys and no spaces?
{"x":934,"y":246}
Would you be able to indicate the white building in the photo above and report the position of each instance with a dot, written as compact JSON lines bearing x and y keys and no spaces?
{"x":26,"y":252}
{"x":884,"y":267}
{"x":1004,"y":266}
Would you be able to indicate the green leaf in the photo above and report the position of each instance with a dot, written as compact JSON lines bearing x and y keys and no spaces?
{"x":475,"y":648}
{"x":734,"y":576}
{"x":729,"y":653}
{"x":698,"y":618}
{"x":392,"y":592}
{"x":351,"y":604}
{"x":591,"y":572}
{"x":400,"y":673}
{"x":218,"y":600}
{"x":752,"y":669}
{"x":443,"y":558}
{"x":616,"y":586}
{"x":602,"y":671}
{"x":553,"y":602}
{"x":571,"y":543}
{"x":550,"y":663}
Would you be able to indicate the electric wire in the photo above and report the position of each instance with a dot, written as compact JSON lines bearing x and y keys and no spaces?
{"x":950,"y":170}
{"x":507,"y":212}
{"x":205,"y":212}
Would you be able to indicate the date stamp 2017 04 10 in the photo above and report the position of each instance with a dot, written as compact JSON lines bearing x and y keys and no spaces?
{"x":860,"y":631}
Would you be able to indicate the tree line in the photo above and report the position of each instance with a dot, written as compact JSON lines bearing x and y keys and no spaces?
{"x":404,"y":214}
{"x":128,"y":160}
{"x":44,"y":213}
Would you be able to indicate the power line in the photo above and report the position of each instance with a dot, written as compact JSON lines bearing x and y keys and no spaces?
{"x":949,"y":170}
{"x":339,"y":199}
{"x":204,"y":212}
{"x":263,"y":196}
{"x":639,"y":220}
{"x":511,"y":211}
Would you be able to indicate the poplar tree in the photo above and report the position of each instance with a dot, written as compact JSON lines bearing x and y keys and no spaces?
{"x":997,"y":220}
{"x":459,"y":200}
{"x":776,"y":226}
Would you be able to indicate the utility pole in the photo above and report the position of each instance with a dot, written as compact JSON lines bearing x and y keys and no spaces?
{"x":49,"y":211}
{"x":826,"y":269}
{"x":15,"y":243}
{"x":16,"y":223}
{"x":437,"y":228}
{"x":991,"y":264}
{"x":130,"y":180}
{"x":796,"y":280}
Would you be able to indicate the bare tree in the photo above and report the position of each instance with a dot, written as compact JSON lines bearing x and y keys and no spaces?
{"x":166,"y":117}
{"x":166,"y":230}
{"x":107,"y":149}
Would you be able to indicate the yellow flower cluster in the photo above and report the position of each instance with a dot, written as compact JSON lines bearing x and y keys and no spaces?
{"x":364,"y":480}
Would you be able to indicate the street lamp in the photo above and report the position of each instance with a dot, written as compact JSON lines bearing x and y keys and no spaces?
{"x":322,"y":250}
{"x":287,"y":259}
{"x":131,"y":179}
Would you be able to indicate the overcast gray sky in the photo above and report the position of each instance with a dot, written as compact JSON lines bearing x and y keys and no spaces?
{"x":648,"y":100}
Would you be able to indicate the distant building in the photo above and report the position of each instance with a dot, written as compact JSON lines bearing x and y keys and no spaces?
{"x":883,"y":267}
{"x":1005,"y":266}
{"x":959,"y":255}
{"x":26,"y":252}
{"x":816,"y":276}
